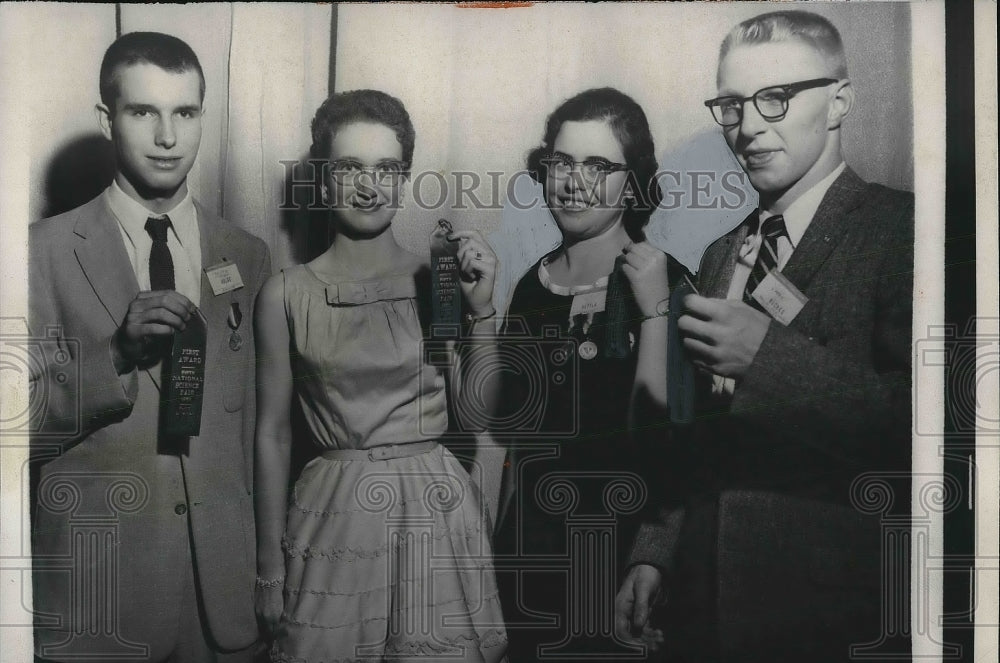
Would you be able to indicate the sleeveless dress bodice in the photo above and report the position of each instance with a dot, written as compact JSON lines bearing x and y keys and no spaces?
{"x":358,"y":362}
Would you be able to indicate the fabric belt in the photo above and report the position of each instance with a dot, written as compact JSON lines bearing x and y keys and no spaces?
{"x":382,"y":452}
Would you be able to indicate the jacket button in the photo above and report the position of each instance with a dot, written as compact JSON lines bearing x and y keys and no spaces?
{"x":180,"y":509}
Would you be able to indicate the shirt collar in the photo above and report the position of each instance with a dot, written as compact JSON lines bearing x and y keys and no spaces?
{"x":800,"y":213}
{"x":132,"y":214}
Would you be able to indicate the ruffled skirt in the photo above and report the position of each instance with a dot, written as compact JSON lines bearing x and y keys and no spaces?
{"x":388,"y":559}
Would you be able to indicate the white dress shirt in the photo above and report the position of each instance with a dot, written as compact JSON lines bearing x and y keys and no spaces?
{"x":183,"y":240}
{"x":798,"y":216}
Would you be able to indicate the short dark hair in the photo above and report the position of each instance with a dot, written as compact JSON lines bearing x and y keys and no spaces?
{"x":373,"y":106}
{"x":165,"y":51}
{"x":811,"y":29}
{"x":629,"y":125}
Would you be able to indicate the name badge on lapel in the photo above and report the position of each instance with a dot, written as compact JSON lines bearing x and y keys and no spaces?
{"x":779,"y":297}
{"x":224,"y":277}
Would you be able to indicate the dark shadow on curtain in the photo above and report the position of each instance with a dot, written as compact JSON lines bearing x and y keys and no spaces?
{"x":77,"y":173}
{"x":304,"y":221}
{"x":304,"y":218}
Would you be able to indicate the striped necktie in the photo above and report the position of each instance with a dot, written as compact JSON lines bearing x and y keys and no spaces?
{"x":767,"y":257}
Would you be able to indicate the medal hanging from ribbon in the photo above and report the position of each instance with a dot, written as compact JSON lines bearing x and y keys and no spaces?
{"x":583,"y":311}
{"x":233,"y":321}
{"x":446,"y":296}
{"x":183,"y":386}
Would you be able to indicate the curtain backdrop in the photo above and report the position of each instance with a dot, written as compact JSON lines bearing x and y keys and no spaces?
{"x":479,"y":83}
{"x":267,"y":69}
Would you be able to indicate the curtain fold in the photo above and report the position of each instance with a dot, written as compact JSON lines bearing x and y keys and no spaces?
{"x":70,"y":161}
{"x":278,"y":76}
{"x":266,"y":71}
{"x":480,"y":82}
{"x":207,"y":29}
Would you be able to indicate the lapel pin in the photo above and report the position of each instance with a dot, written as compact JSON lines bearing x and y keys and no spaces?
{"x":234,"y":319}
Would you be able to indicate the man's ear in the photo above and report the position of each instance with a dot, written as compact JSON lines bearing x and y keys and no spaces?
{"x":104,"y":119}
{"x":324,"y":191}
{"x":841,"y":104}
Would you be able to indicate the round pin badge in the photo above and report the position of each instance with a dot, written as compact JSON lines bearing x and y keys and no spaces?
{"x":587,"y":350}
{"x":235,"y":341}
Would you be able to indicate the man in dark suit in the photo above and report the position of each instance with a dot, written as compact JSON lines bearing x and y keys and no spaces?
{"x":802,"y":332}
{"x":143,"y":543}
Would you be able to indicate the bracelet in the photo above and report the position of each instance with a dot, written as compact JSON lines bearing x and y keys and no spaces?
{"x":471,"y":319}
{"x":270,"y":583}
{"x":662,"y":309}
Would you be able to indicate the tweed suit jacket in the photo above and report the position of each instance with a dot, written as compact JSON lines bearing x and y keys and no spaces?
{"x":113,"y":512}
{"x":762,"y":481}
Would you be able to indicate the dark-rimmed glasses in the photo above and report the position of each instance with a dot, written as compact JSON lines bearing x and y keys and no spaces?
{"x":771,"y":102}
{"x":385,"y":173}
{"x":592,"y":170}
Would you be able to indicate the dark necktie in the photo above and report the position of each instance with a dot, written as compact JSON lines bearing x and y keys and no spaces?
{"x":767,"y":258}
{"x":161,"y":265}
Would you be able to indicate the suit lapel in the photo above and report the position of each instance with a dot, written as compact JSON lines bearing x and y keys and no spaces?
{"x":720,"y":262}
{"x":826,"y":230}
{"x":103,"y":258}
{"x":215,"y":248}
{"x":105,"y":262}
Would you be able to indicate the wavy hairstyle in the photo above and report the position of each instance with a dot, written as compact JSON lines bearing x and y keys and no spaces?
{"x":629,"y":125}
{"x":373,"y":106}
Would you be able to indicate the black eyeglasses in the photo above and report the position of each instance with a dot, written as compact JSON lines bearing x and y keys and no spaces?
{"x":385,"y":173}
{"x":561,"y":165}
{"x":771,"y":102}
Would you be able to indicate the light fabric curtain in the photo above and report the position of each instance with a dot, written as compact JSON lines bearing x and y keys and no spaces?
{"x":206,"y":28}
{"x":56,"y":111}
{"x":278,"y":77}
{"x":47,"y":115}
{"x":479,"y":82}
{"x":267,"y":70}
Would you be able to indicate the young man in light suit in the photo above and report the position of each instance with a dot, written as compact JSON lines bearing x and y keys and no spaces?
{"x":143,"y":544}
{"x":806,"y":382}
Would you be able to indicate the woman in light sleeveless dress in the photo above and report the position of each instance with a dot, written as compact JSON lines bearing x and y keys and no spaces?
{"x":382,"y":549}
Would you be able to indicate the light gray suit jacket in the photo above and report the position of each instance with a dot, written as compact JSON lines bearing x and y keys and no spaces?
{"x":111,"y":511}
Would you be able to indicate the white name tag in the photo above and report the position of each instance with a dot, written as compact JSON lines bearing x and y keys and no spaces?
{"x":224,"y":277}
{"x":779,"y":297}
{"x":588,"y":303}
